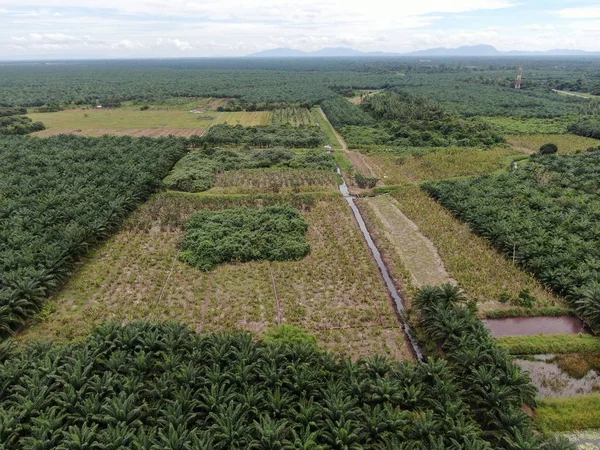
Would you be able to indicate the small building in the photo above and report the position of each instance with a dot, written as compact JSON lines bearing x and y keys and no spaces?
{"x":99,"y":106}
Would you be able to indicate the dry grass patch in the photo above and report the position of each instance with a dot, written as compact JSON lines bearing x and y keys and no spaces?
{"x":244,"y":118}
{"x":567,"y":143}
{"x":411,"y":256}
{"x":274,"y":180}
{"x":135,"y":132}
{"x":483,"y":273}
{"x":456,"y":162}
{"x":136,"y":275}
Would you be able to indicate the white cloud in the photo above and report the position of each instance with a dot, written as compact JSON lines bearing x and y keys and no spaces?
{"x":178,"y":44}
{"x":540,"y":28}
{"x":592,"y":12}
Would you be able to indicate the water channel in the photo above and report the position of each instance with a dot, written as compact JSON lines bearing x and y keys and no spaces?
{"x":383,"y":269}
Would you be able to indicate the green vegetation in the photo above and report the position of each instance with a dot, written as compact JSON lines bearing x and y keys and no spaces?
{"x":275,"y":233}
{"x":293,"y":116}
{"x":364,"y":182}
{"x":13,"y":122}
{"x":341,"y":113}
{"x":548,"y":149}
{"x":265,"y":136}
{"x":198,"y":170}
{"x":571,"y":413}
{"x":578,"y":365}
{"x":162,"y":386}
{"x":549,"y":344}
{"x":492,"y":384}
{"x":408,"y":121}
{"x":566,"y":143}
{"x":60,"y":196}
{"x":522,"y":125}
{"x":543,"y":216}
{"x":587,"y":128}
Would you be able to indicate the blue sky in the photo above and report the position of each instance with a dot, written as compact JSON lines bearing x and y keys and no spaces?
{"x":32,"y":29}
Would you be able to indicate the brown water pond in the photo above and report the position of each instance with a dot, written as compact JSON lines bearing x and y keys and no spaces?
{"x":527,"y":326}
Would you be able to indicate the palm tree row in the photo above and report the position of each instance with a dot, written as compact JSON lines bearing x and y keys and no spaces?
{"x":58,"y":197}
{"x":492,"y":385}
{"x":162,"y":386}
{"x":545,"y":217}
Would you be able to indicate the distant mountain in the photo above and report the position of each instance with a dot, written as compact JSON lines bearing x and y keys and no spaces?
{"x":465,"y":50}
{"x":328,"y":52}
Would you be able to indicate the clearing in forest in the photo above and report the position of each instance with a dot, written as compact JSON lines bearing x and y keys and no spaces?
{"x":336,"y":292}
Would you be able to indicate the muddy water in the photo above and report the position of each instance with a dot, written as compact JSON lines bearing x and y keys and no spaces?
{"x":527,"y":326}
{"x":553,"y":382}
{"x":383,"y":269}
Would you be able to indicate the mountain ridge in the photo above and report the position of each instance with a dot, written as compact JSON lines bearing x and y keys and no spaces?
{"x":465,"y":50}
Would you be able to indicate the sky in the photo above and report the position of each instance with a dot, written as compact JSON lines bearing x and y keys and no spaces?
{"x":60,"y":29}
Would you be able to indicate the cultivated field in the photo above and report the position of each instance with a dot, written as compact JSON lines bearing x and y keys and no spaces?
{"x":336,"y":292}
{"x":246,"y":119}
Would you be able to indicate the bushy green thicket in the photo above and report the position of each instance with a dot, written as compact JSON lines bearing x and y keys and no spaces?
{"x":589,"y":127}
{"x":163,"y":386}
{"x":12,"y":111}
{"x":12,"y":122}
{"x":341,"y":113}
{"x":545,"y":216}
{"x":274,"y":233}
{"x":493,"y":386}
{"x":285,"y":135}
{"x":196,"y":172}
{"x":408,"y":121}
{"x":58,"y":197}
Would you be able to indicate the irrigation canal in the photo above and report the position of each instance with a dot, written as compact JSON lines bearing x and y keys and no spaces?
{"x":383,"y":269}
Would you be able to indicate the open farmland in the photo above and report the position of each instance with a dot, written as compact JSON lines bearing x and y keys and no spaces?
{"x":237,"y":275}
{"x":336,"y":292}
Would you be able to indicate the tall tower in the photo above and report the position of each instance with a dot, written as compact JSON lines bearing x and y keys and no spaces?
{"x":519,"y":77}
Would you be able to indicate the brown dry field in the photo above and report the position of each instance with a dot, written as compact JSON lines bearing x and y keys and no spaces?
{"x":135,"y":132}
{"x":406,"y":250}
{"x":336,"y":292}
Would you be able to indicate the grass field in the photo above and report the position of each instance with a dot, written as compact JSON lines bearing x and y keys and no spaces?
{"x":455,"y":162}
{"x":156,"y":121}
{"x":567,"y":143}
{"x":522,"y":125}
{"x":336,"y":292}
{"x":549,"y":344}
{"x":567,"y":414}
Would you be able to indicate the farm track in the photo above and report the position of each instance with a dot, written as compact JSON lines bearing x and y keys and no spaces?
{"x":335,"y":132}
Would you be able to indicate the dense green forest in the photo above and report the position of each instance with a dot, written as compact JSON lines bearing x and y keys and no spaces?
{"x":274,"y":233}
{"x":259,"y":83}
{"x":545,"y":216}
{"x":58,"y":197}
{"x":589,"y":127}
{"x":197,"y":171}
{"x":303,"y":136}
{"x":492,"y":384}
{"x":13,"y":122}
{"x":165,"y":387}
{"x":404,"y":120}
